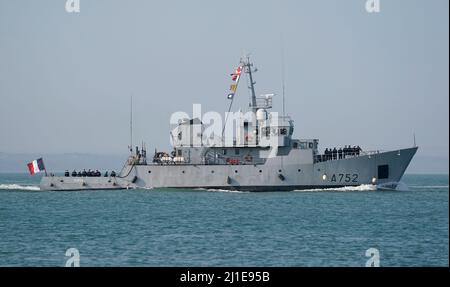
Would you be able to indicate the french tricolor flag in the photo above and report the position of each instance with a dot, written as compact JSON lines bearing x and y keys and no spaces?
{"x":36,"y":166}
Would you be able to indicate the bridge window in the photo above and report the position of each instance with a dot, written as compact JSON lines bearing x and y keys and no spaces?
{"x":179,"y":152}
{"x":224,"y":152}
{"x":303,"y":145}
{"x":295,"y":145}
{"x":283,"y":131}
{"x":310,"y":145}
{"x":180,"y":136}
{"x":236,"y":151}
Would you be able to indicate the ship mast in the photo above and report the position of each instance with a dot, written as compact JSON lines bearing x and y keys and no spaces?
{"x":248,"y":69}
{"x":131,"y":124}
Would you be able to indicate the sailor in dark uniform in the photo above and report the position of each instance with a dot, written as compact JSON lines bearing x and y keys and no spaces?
{"x":340,"y":153}
{"x":74,"y":173}
{"x":113,"y":173}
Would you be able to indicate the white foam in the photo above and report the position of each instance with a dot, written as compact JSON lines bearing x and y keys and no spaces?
{"x":223,"y":190}
{"x":363,"y":187}
{"x":19,"y":187}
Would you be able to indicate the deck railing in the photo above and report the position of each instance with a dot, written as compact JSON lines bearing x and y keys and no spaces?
{"x":337,"y":156}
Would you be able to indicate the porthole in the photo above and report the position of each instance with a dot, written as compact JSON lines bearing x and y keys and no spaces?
{"x":212,"y":171}
{"x":235,"y":171}
{"x":299,"y":170}
{"x":149,"y":171}
{"x":260,"y":171}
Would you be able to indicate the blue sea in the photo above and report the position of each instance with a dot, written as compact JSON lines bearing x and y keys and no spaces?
{"x":162,"y":227}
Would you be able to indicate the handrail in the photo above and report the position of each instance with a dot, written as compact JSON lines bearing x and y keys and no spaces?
{"x":337,"y":156}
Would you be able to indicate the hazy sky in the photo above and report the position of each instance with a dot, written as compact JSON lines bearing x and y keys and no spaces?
{"x":351,"y":77}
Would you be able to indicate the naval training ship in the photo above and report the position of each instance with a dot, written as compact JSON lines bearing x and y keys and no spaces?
{"x":261,"y":155}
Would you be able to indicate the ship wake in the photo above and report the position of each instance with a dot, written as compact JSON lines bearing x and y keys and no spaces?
{"x":19,"y":187}
{"x":221,"y":190}
{"x":391,"y":186}
{"x":364,"y":187}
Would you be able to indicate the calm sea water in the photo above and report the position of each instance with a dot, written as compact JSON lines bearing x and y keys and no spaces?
{"x":163,"y":227}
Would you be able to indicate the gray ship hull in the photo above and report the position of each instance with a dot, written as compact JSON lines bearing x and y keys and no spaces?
{"x":281,"y":173}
